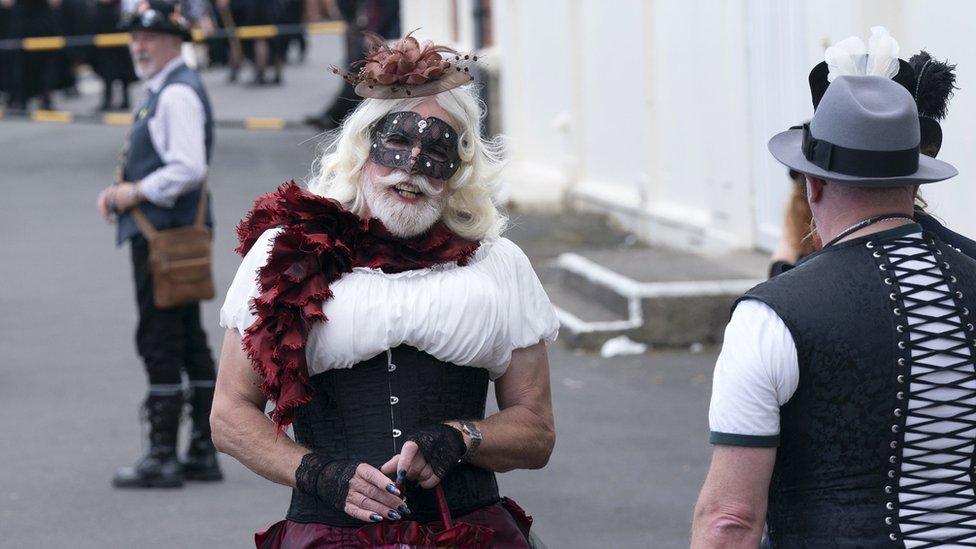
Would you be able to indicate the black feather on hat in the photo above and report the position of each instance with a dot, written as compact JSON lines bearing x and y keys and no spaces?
{"x":934,"y":86}
{"x":935,"y":82}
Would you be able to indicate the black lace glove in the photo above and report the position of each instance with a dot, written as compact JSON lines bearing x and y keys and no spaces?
{"x":326,"y":479}
{"x":441,"y":445}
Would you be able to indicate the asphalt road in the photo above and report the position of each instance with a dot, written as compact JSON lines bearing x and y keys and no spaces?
{"x":631,"y":449}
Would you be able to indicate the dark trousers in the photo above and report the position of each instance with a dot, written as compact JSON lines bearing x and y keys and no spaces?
{"x":171,"y":340}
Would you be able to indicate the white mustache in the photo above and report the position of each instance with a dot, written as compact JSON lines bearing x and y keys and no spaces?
{"x":399,"y":176}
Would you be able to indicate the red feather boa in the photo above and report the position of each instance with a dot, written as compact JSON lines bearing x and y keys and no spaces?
{"x":318,"y":243}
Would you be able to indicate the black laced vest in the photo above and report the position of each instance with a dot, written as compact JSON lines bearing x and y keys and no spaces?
{"x":365,"y":412}
{"x":876,"y":444}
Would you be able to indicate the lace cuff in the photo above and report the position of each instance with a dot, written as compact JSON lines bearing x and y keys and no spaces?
{"x":441,"y":445}
{"x":326,"y":479}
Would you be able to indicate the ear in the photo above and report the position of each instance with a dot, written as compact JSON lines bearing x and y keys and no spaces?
{"x":815,"y":187}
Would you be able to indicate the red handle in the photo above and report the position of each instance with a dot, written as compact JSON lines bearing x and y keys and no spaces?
{"x":442,"y":504}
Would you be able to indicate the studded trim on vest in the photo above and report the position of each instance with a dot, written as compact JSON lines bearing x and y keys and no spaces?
{"x":930,"y":499}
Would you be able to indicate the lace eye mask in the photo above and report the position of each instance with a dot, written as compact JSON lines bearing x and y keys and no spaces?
{"x":399,"y":133}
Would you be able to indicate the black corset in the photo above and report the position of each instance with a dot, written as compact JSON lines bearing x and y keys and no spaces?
{"x":365,"y":413}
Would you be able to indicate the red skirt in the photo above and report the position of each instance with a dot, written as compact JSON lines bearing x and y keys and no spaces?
{"x":508,"y":521}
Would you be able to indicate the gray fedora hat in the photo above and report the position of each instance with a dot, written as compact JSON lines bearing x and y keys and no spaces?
{"x":864,"y":133}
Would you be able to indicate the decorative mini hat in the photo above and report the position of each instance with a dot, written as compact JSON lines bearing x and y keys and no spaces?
{"x":407,"y":68}
{"x":157,"y":16}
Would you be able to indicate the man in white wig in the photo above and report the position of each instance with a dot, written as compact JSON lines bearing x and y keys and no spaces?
{"x":374,"y":309}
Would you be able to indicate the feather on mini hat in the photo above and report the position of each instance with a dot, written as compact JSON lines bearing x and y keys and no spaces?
{"x":407,"y":68}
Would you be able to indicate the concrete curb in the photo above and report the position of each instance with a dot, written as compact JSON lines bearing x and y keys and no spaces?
{"x":667,"y":314}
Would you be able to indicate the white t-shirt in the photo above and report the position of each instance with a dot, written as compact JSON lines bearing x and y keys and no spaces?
{"x":756,"y":373}
{"x":474,"y":315}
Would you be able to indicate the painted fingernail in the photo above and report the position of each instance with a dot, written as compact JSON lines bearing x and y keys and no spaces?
{"x":375,"y":517}
{"x":404,"y":509}
{"x":401,"y":475}
{"x":391,"y":488}
{"x":394,"y":515}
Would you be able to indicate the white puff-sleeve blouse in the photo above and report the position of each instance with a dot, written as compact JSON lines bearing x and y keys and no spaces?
{"x":474,"y":315}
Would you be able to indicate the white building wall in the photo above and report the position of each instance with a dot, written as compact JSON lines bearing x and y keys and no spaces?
{"x":658,"y":111}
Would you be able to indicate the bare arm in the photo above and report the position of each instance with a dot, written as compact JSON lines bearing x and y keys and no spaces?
{"x":521,"y":435}
{"x":731,"y":508}
{"x":240,"y":428}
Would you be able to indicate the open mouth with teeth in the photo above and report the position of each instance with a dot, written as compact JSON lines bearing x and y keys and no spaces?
{"x":407,"y":191}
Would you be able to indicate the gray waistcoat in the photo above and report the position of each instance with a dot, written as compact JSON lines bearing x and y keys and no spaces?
{"x":143,"y":159}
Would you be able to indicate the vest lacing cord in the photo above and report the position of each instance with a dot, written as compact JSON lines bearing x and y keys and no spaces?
{"x":936,"y":424}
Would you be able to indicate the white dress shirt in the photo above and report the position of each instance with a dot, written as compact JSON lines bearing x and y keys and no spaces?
{"x":474,"y":315}
{"x":177,"y":133}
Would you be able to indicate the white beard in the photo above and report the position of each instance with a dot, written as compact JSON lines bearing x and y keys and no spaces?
{"x":403,"y":219}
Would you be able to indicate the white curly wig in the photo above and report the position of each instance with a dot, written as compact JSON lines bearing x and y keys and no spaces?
{"x":471,"y":211}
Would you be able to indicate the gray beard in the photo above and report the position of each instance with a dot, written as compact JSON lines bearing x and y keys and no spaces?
{"x":400,"y":218}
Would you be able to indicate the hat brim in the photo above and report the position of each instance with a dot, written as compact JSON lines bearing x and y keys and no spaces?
{"x":787,"y":148}
{"x":172,"y":30}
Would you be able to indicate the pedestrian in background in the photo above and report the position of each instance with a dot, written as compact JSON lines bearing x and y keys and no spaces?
{"x":381,"y":17}
{"x":34,"y":74}
{"x":113,"y":65}
{"x":163,"y":171}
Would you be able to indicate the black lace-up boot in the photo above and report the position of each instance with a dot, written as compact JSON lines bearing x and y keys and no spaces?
{"x":159,"y":468}
{"x":201,"y":461}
